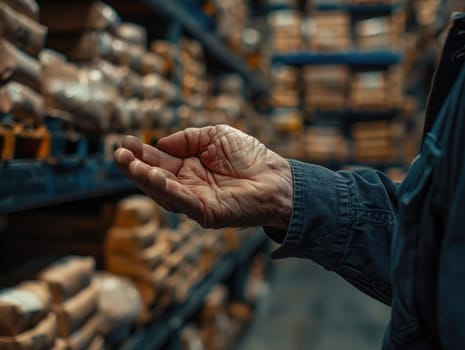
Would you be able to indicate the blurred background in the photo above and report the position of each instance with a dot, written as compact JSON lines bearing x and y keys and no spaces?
{"x":88,"y":262}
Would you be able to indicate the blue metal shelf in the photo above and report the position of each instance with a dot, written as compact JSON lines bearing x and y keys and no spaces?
{"x":175,"y":9}
{"x":157,"y":334}
{"x":360,"y":9}
{"x":354,"y":115}
{"x":355,"y":58}
{"x":33,"y":184}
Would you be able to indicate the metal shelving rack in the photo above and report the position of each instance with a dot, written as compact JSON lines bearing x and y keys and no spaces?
{"x":160,"y":332}
{"x":32,"y":184}
{"x":176,"y":10}
{"x":382,"y":59}
{"x":353,"y":58}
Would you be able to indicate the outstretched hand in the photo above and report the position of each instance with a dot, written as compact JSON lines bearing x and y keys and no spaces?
{"x":216,"y":175}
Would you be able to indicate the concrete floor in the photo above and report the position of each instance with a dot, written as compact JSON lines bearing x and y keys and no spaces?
{"x":307,"y":307}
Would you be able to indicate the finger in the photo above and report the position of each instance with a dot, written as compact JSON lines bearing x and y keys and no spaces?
{"x":123,"y":159}
{"x":138,"y":172}
{"x":151,"y":155}
{"x":133,"y":144}
{"x":155,"y":157}
{"x":186,"y":143}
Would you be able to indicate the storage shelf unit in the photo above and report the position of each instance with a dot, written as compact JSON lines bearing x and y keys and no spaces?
{"x":174,"y":9}
{"x":30,"y":184}
{"x":361,"y":115}
{"x":157,"y":334}
{"x":360,"y":9}
{"x":354,"y":58}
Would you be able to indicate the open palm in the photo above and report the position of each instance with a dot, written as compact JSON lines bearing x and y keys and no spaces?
{"x":217,"y":175}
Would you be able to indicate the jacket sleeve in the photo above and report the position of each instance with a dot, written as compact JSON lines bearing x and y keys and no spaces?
{"x":451,"y":272}
{"x":343,"y":221}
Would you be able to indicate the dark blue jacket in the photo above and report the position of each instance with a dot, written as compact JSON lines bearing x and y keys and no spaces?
{"x":403,"y":245}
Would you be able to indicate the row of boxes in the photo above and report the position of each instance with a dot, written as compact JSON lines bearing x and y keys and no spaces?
{"x":372,"y":142}
{"x":163,"y":263}
{"x":332,"y":31}
{"x":66,"y":307}
{"x":336,"y":88}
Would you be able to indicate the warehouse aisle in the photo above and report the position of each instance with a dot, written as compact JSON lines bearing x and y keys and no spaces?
{"x":309,"y":308}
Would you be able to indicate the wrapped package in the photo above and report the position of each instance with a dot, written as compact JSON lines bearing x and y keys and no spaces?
{"x":119,"y":302}
{"x":121,"y":240}
{"x":145,"y":62}
{"x":98,"y":343}
{"x":20,"y":30}
{"x":67,"y":276}
{"x":83,"y":337}
{"x":127,"y":82}
{"x":28,"y":8}
{"x":74,"y":16}
{"x":168,"y":51}
{"x":67,"y":88}
{"x":135,"y":211}
{"x":154,"y":286}
{"x":22,"y":102}
{"x":143,"y":263}
{"x":40,"y":337}
{"x":157,"y":114}
{"x":23,"y":306}
{"x":155,"y":86}
{"x":18,"y":66}
{"x":72,"y":313}
{"x":88,"y":46}
{"x":132,"y":33}
{"x":128,"y":115}
{"x":193,"y":48}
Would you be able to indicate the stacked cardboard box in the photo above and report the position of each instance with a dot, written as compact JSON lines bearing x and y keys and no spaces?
{"x":194,"y":84}
{"x":218,"y":324}
{"x":26,"y":318}
{"x":285,"y":86}
{"x":221,"y":320}
{"x":116,"y":71}
{"x":285,"y":31}
{"x":231,"y":19}
{"x":325,"y":143}
{"x":163,"y":263}
{"x":377,"y":90}
{"x":326,"y":87}
{"x":378,"y":141}
{"x":380,"y":33}
{"x":119,"y":304}
{"x":287,"y":118}
{"x":427,"y":12}
{"x":22,"y":38}
{"x":226,"y":104}
{"x":330,"y":32}
{"x":74,"y":297}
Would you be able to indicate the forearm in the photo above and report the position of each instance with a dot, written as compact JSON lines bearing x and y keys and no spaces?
{"x":343,"y":221}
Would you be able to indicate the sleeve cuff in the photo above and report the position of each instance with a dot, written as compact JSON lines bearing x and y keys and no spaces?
{"x":320,"y":218}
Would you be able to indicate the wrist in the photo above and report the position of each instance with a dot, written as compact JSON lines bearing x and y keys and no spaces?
{"x":280,"y":207}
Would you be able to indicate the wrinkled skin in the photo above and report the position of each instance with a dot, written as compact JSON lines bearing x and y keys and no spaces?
{"x":216,"y":175}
